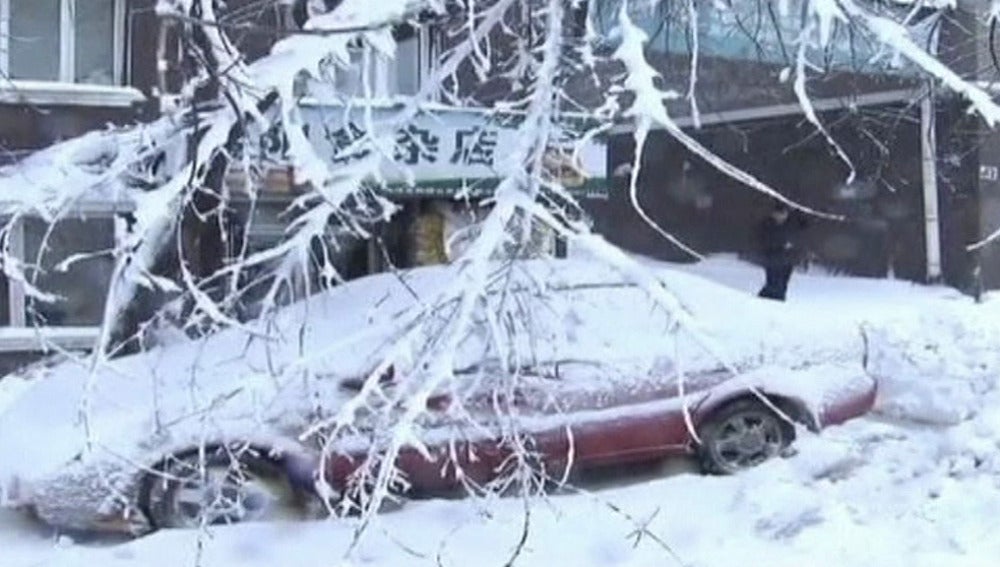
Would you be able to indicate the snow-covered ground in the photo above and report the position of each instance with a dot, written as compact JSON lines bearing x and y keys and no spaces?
{"x":917,"y":484}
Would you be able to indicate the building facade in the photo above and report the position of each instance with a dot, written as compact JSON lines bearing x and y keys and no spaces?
{"x":66,"y":67}
{"x":445,"y":163}
{"x":878,"y":177}
{"x":72,"y":66}
{"x":924,"y":181}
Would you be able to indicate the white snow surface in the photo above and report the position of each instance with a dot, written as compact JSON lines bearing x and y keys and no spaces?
{"x":915,"y":484}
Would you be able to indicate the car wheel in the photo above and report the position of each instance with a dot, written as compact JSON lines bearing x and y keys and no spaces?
{"x":220,"y":487}
{"x":741,"y":435}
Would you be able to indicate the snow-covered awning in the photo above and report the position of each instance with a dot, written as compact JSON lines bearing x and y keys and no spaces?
{"x":446,"y":151}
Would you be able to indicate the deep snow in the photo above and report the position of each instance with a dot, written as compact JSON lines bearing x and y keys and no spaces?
{"x":917,"y":484}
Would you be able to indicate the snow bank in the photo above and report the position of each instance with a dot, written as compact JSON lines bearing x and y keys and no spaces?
{"x":935,"y":352}
{"x":936,"y":366}
{"x":863,"y":494}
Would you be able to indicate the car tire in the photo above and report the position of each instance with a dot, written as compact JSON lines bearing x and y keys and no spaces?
{"x":742,"y":435}
{"x":221,"y":487}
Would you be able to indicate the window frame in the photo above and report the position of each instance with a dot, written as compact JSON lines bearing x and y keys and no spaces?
{"x":67,"y":42}
{"x":17,"y":297}
{"x":382,"y":73}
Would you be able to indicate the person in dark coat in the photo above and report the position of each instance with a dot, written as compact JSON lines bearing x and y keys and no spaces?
{"x":778,"y":237}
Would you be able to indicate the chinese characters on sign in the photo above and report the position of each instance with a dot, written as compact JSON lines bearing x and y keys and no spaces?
{"x":474,"y":146}
{"x":415,"y":145}
{"x":437,"y":154}
{"x":342,"y":141}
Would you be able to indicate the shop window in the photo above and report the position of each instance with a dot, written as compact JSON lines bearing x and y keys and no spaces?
{"x":442,"y":231}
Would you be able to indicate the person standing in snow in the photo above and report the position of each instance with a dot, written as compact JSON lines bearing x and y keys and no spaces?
{"x":778,"y":239}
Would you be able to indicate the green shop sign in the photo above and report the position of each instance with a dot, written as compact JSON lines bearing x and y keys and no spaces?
{"x":446,"y":152}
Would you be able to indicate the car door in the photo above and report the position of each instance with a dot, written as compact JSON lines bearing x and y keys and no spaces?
{"x":610,"y":393}
{"x":596,"y":414}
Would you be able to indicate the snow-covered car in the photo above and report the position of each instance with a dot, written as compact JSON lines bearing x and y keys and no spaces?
{"x":211,"y":430}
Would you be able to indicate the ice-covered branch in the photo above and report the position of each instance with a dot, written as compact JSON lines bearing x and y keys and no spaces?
{"x":421,"y":366}
{"x":895,"y":36}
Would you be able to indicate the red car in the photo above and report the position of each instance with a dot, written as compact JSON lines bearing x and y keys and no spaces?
{"x":729,"y":422}
{"x":608,"y":382}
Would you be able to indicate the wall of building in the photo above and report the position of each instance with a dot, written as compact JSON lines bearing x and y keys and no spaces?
{"x":959,"y":137}
{"x":988,"y":200}
{"x":882,"y":233}
{"x":968,"y":154}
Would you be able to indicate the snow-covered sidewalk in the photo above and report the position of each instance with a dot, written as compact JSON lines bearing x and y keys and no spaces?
{"x":918,"y":484}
